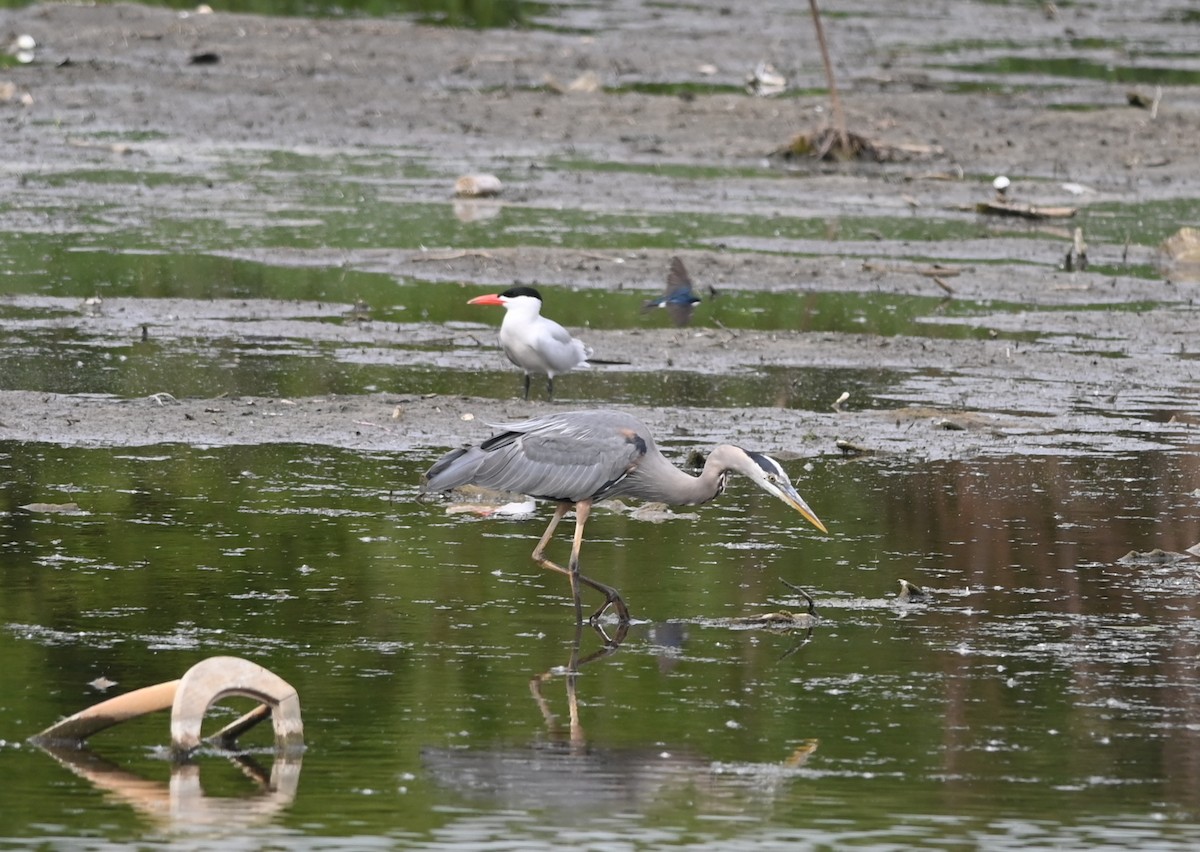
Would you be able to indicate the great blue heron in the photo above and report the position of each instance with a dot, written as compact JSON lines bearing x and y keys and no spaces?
{"x":576,"y":458}
{"x":531,"y":341}
{"x":679,"y":299}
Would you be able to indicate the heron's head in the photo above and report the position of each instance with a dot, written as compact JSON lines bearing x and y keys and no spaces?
{"x":770,"y":476}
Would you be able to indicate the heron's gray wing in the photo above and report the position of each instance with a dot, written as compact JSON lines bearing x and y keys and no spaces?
{"x":457,"y":467}
{"x":569,"y":456}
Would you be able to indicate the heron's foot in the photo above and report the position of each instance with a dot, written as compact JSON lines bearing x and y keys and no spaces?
{"x":611,"y":596}
{"x":611,"y":643}
{"x":613,"y":600}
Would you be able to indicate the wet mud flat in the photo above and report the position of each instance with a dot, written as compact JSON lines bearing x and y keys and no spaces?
{"x":1069,"y":366}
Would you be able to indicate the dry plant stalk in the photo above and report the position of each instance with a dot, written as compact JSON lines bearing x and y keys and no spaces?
{"x":836,"y":142}
{"x":835,"y":100}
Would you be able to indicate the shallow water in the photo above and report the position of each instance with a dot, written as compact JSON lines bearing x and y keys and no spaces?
{"x":1044,"y":696}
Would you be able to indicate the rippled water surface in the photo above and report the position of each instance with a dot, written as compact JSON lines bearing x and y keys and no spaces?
{"x":1044,"y":695}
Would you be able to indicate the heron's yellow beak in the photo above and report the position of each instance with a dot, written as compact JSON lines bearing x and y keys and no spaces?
{"x":785,"y":491}
{"x":792,"y":497}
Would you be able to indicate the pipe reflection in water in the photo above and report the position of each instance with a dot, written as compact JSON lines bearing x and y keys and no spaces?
{"x":564,"y":773}
{"x":181,"y":802}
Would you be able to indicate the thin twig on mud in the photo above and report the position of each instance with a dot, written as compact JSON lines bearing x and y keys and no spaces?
{"x":451,"y":255}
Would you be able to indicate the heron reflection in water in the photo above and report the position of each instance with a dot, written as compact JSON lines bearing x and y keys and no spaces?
{"x":563,"y":770}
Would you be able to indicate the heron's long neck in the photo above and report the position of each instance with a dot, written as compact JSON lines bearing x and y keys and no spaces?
{"x":668,"y":484}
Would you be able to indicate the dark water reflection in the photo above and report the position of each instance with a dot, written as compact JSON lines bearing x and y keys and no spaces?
{"x":1047,"y":695}
{"x":63,"y":362}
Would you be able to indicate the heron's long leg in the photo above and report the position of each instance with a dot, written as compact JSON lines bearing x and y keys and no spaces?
{"x":527,"y":387}
{"x":582,"y":510}
{"x":559,"y":510}
{"x":539,"y":556}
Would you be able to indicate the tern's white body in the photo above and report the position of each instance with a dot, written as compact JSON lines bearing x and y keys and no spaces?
{"x":539,"y":346}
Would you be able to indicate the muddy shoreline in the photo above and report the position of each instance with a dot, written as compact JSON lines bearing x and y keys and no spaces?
{"x":115,"y":86}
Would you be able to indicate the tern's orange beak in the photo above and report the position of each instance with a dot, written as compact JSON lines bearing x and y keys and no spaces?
{"x":490,"y":299}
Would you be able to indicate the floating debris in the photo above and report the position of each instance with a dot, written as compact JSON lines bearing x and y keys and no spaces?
{"x":478,"y":186}
{"x":23,"y":47}
{"x":1077,"y":188}
{"x":189,"y":698}
{"x":812,"y":605}
{"x":513,"y":509}
{"x":933,"y":270}
{"x":1076,"y":258}
{"x":476,"y":210}
{"x":1000,"y":207}
{"x":910,"y":593}
{"x":1183,"y":246}
{"x":1157,"y":556}
{"x":54,"y":508}
{"x":956,"y":421}
{"x":829,"y":144}
{"x":1148,"y":102}
{"x":849,"y":448}
{"x":586,"y":83}
{"x":656,"y":513}
{"x":780,"y":620}
{"x":950,"y":425}
{"x":765,"y":81}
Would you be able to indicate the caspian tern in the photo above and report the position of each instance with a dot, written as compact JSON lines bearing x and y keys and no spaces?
{"x":533,"y":342}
